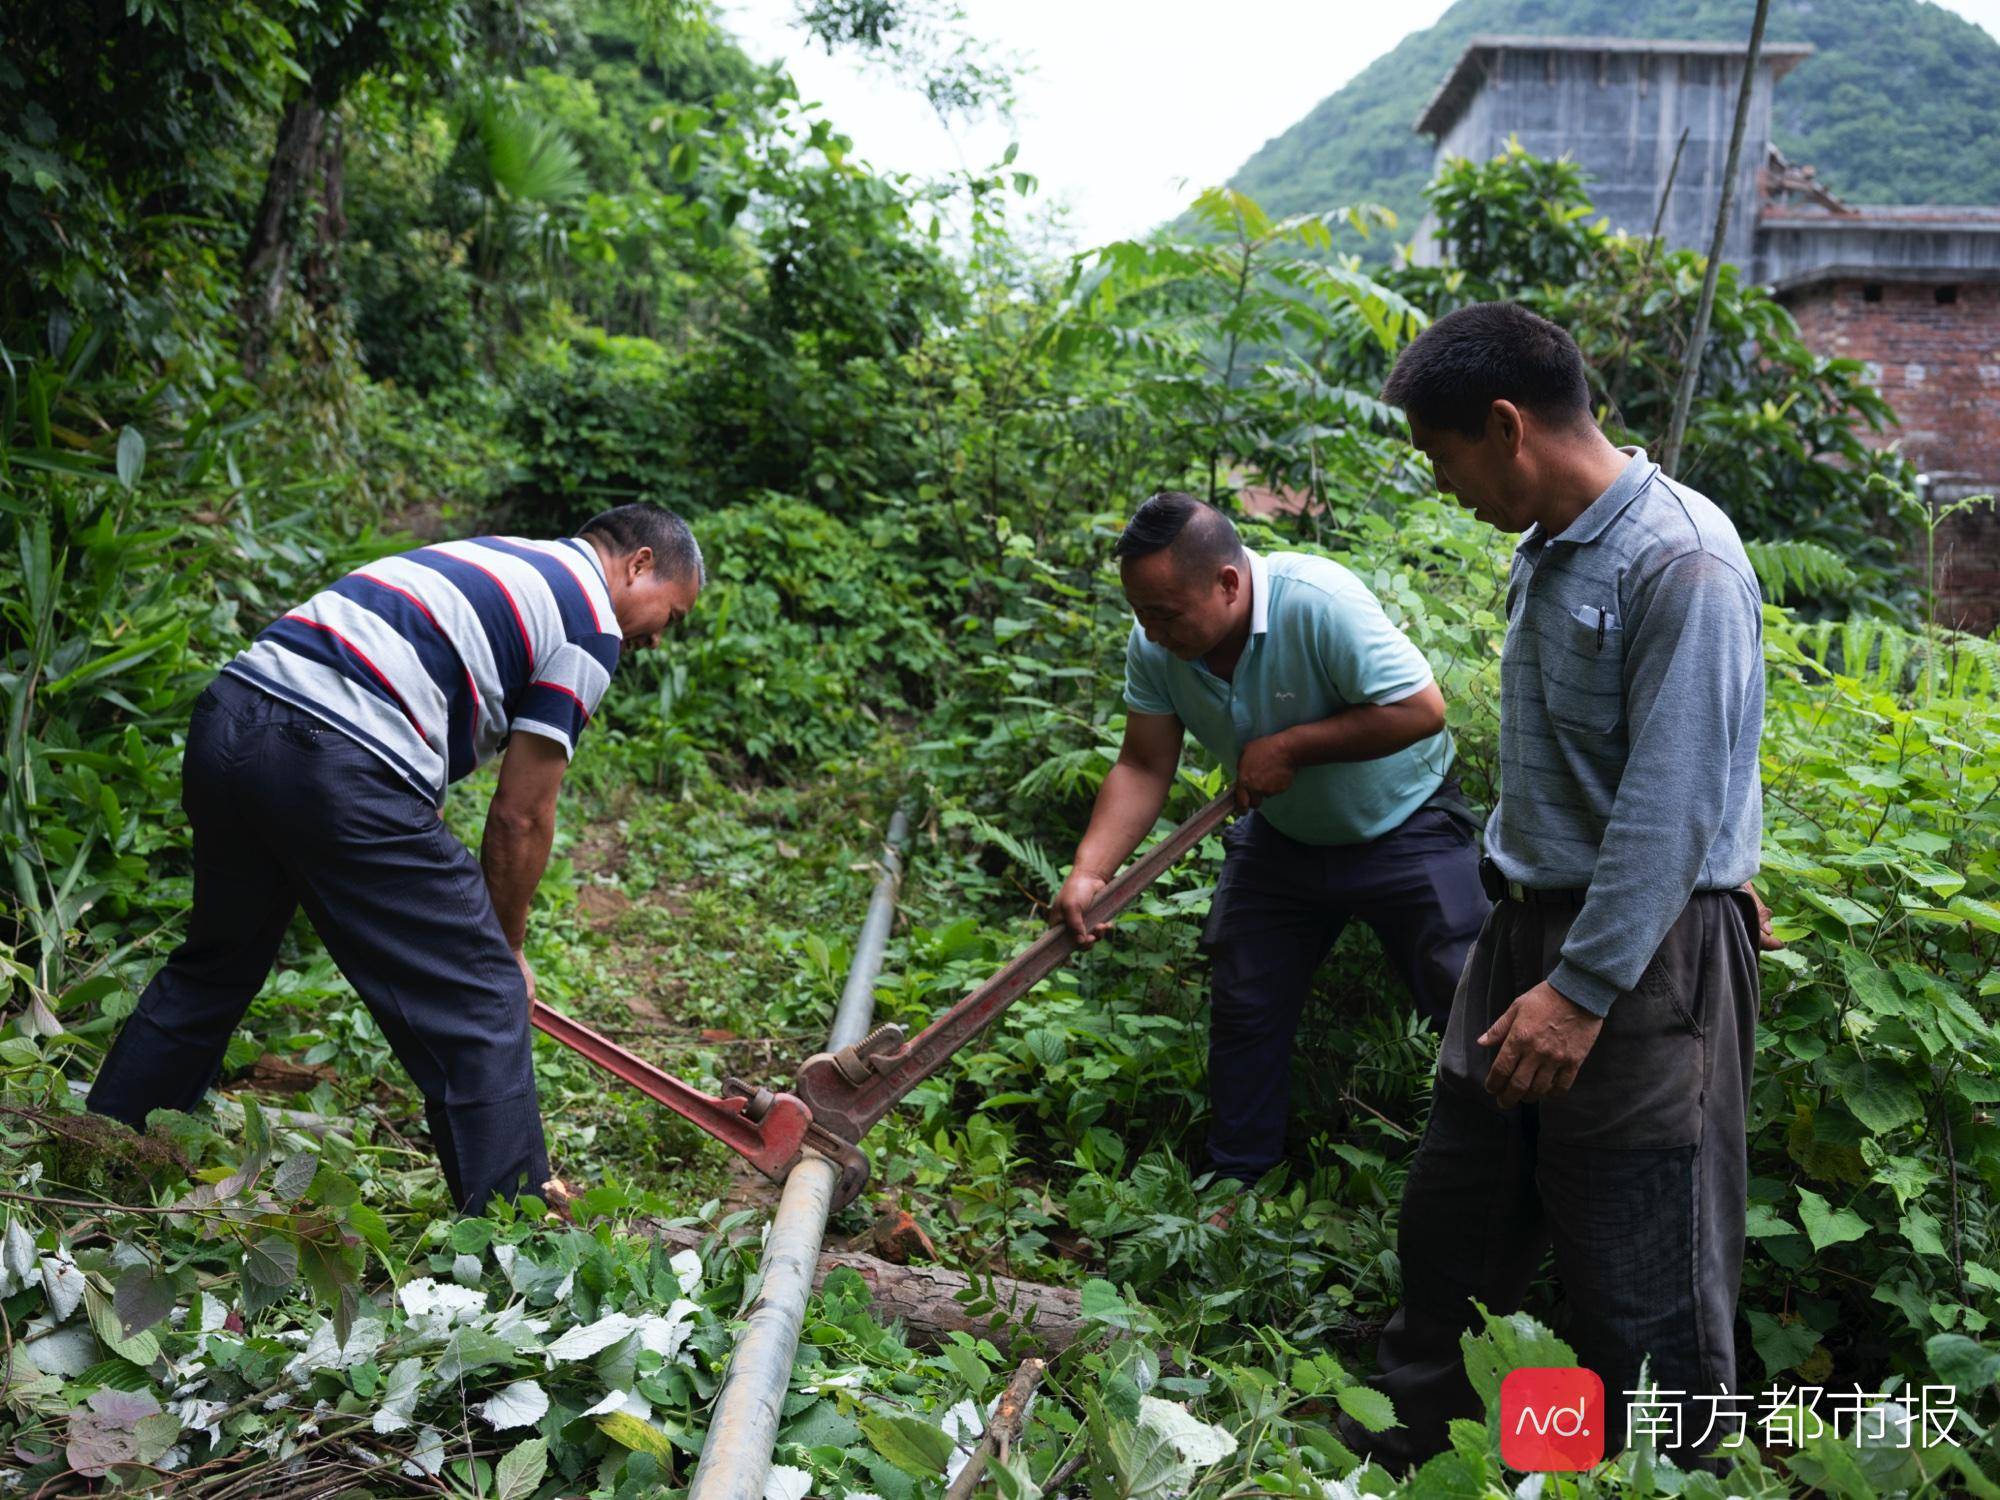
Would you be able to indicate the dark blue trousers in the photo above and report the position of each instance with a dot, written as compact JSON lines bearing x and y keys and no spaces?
{"x":1279,"y":907}
{"x":289,"y":812}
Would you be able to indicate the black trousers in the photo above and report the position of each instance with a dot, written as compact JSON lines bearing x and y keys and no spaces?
{"x":287,"y":811}
{"x":1279,"y":907}
{"x":1637,"y":1178}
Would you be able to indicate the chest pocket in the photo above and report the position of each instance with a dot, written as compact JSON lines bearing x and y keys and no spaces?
{"x":1583,"y":670}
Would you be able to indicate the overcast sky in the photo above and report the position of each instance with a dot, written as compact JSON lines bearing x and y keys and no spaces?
{"x":1130,"y":107}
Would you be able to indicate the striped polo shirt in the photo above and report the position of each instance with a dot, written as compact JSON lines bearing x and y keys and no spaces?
{"x":432,"y":658}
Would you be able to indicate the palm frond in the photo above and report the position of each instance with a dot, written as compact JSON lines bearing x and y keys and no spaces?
{"x":528,"y":159}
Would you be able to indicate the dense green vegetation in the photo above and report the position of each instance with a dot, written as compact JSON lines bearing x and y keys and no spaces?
{"x":330,"y":277}
{"x":1890,"y":109}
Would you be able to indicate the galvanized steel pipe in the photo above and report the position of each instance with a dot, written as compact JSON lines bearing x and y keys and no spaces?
{"x":736,"y":1457}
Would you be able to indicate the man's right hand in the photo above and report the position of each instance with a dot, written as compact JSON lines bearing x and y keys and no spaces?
{"x":1073,"y":903}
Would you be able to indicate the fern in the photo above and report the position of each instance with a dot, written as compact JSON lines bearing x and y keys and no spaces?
{"x":1029,"y":856}
{"x":1892,"y":659}
{"x":1068,"y":772}
{"x":1794,"y":570}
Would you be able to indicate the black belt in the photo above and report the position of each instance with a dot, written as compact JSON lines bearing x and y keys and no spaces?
{"x":1500,"y":888}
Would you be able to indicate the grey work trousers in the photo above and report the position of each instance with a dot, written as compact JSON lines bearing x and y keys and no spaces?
{"x":1638,"y":1177}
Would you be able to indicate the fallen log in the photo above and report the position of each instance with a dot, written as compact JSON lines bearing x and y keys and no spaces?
{"x":932,"y":1302}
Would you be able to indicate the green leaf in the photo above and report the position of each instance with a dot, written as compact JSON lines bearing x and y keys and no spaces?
{"x":821,"y":1424}
{"x":1870,"y":983}
{"x":1826,"y":1225}
{"x":367,"y":1221}
{"x":399,"y":1396}
{"x":472,"y":1349}
{"x":1782,"y":1346}
{"x":521,"y":1404}
{"x":914,"y":1446}
{"x":131,"y":456}
{"x":1903,"y":1295}
{"x":1508,"y":1344}
{"x":1141,"y":1457}
{"x":1875,"y":1090}
{"x":520,"y":1473}
{"x":272,"y":1261}
{"x":1762,"y":1221}
{"x":119,"y":1374}
{"x":140,"y":1348}
{"x":295,"y":1175}
{"x":156,"y":1436}
{"x":1983,"y":914}
{"x":1367,"y":1406}
{"x":1101,"y":1303}
{"x":1852,"y":913}
{"x":1921,"y":1232}
{"x":970,"y":1367}
{"x":336,"y":1189}
{"x":141,"y":1297}
{"x":529,"y":160}
{"x":1960,"y":1361}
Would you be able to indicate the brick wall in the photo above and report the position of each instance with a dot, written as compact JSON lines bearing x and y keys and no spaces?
{"x":1938,"y":363}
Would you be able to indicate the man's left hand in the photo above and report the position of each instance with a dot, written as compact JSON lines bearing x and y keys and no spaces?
{"x":1264,"y":769}
{"x":527,"y":973}
{"x":1543,"y":1039}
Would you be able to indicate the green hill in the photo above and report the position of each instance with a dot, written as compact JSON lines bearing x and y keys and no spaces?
{"x":1901,"y":103}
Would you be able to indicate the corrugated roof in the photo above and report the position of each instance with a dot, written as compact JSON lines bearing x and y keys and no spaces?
{"x":1468,"y":74}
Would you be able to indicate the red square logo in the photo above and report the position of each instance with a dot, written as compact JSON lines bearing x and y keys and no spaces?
{"x":1551,"y":1419}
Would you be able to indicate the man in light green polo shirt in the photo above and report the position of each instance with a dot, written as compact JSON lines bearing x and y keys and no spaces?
{"x":1286,"y":669}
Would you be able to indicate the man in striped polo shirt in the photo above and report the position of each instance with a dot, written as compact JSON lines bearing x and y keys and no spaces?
{"x":1593,"y":1085}
{"x":315,"y":766}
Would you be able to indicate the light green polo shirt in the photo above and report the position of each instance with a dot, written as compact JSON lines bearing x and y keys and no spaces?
{"x":1319,"y":643}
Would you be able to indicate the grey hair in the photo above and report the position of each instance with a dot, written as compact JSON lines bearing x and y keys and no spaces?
{"x":624,"y":529}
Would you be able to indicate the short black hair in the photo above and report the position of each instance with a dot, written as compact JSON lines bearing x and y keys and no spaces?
{"x":624,"y":529}
{"x":1452,"y":373}
{"x":1197,"y":532}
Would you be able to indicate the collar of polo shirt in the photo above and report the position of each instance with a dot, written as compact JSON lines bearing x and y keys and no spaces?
{"x":582,"y":544}
{"x":1260,"y":595}
{"x":1606,"y":508}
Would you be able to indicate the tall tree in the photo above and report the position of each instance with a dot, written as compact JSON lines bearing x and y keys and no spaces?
{"x":301,"y":203}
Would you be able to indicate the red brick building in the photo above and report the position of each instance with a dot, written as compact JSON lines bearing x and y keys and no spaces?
{"x":1908,"y":292}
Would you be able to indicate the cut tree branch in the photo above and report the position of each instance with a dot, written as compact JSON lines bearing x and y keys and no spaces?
{"x":1003,"y":1430}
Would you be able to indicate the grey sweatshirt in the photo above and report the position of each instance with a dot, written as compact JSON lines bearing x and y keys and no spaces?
{"x":1632,"y":698}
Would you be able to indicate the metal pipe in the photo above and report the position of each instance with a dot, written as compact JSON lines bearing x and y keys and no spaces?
{"x":857,"y":1001}
{"x":736,"y":1456}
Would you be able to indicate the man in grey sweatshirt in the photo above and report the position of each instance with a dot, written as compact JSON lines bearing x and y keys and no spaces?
{"x":1593,"y":1084}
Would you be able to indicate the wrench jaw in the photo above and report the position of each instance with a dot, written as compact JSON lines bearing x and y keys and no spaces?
{"x":785,"y":1130}
{"x":848,"y":1158}
{"x":780,"y":1126}
{"x":839,"y":1087}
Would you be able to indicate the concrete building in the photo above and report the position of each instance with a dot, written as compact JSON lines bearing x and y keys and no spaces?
{"x":1912,"y":291}
{"x":1617,"y":107}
